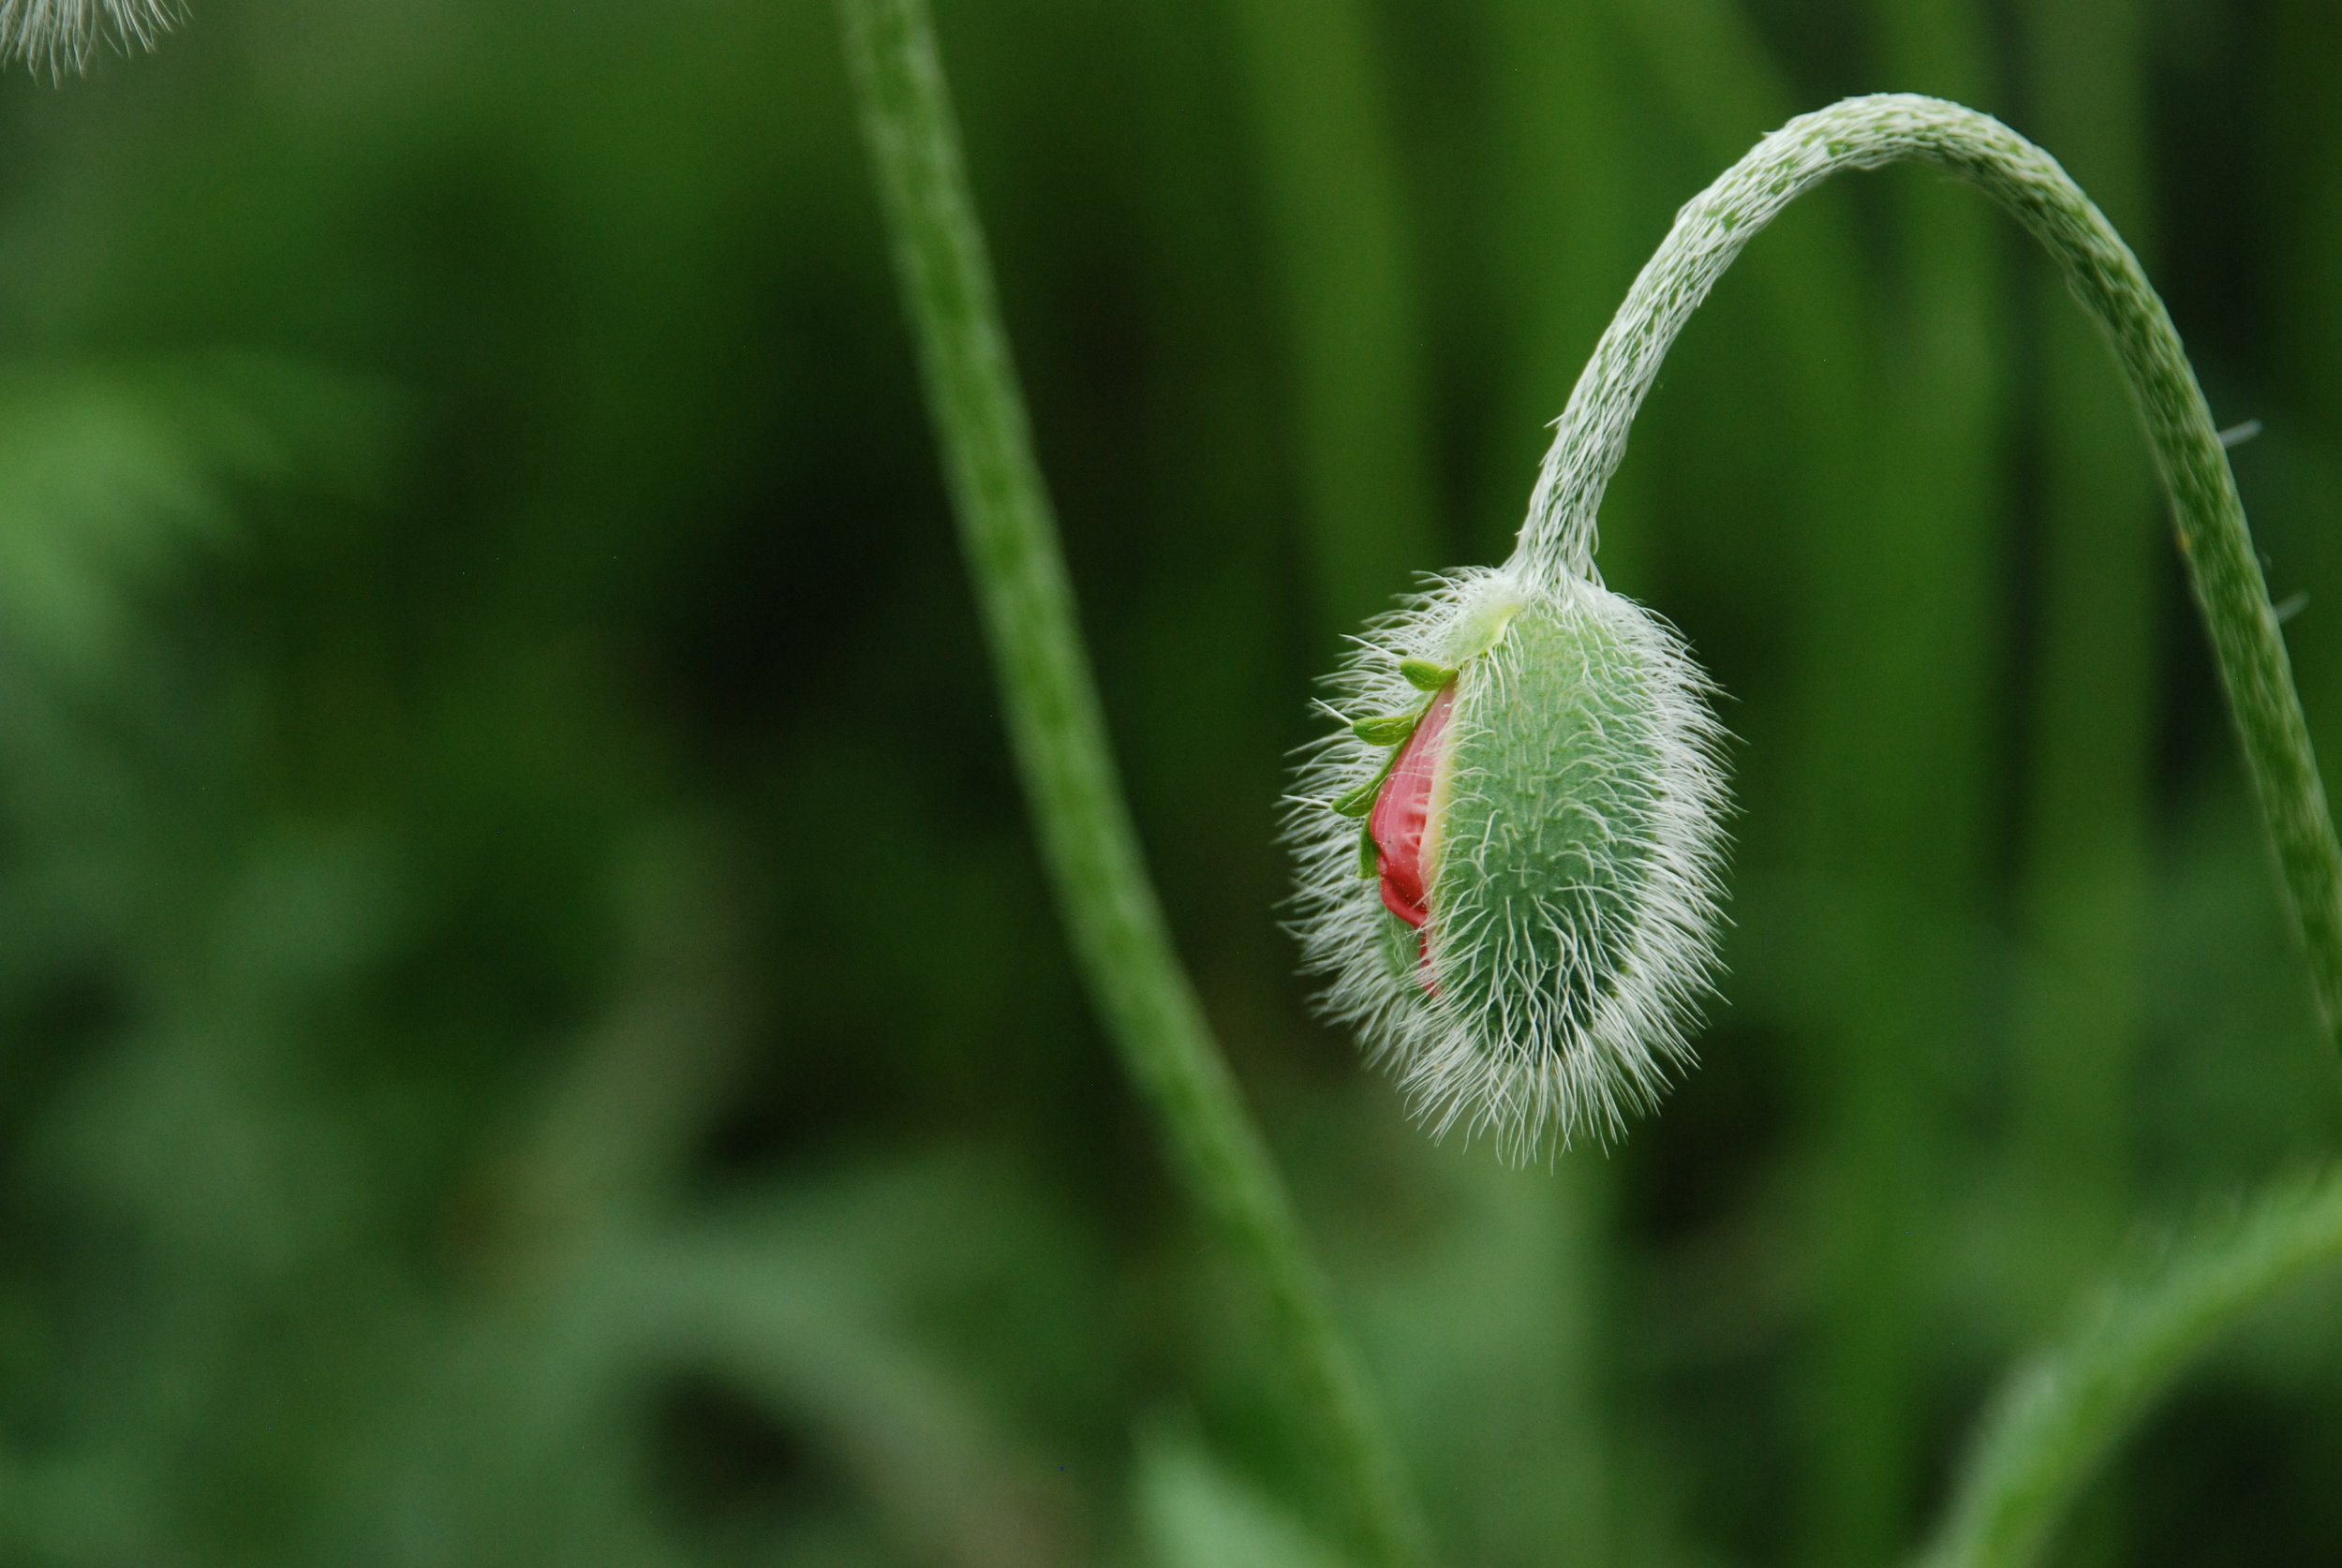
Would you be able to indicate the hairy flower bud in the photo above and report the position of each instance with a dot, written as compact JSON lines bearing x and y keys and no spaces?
{"x":1513,"y":896}
{"x":57,"y":36}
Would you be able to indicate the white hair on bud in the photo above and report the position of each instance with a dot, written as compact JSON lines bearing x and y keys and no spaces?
{"x":58,"y":36}
{"x":1574,"y":896}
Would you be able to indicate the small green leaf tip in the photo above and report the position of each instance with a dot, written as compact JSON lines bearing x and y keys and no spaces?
{"x":1572,"y":833}
{"x":1358,"y":802}
{"x":1389,"y":730}
{"x":1424,"y":675}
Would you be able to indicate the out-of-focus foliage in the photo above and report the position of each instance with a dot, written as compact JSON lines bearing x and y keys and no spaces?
{"x":531,"y":1027}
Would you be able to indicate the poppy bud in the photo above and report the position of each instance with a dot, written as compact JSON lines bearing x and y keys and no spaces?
{"x":1524,"y":921}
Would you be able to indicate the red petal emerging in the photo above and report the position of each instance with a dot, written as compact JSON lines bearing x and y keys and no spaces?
{"x":1403,"y":808}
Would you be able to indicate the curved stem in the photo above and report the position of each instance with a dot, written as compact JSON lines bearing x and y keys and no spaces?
{"x":1103,"y":891}
{"x":2222,"y":568}
{"x":2060,"y":1415}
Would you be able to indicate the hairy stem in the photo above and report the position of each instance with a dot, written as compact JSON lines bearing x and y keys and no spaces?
{"x":2222,"y":568}
{"x":2060,"y":1415}
{"x":1103,"y":891}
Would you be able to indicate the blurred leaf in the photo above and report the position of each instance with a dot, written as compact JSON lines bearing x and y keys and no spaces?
{"x":806,"y":1311}
{"x":110,"y":476}
{"x":1194,"y":1514}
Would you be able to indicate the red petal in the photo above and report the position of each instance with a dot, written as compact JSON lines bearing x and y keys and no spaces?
{"x":1402,"y":809}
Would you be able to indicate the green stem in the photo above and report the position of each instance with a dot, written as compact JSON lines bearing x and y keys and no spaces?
{"x":2060,"y":1415}
{"x":2222,"y":568}
{"x":1103,"y":893}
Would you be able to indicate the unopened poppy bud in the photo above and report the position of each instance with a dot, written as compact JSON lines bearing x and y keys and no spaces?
{"x":1541,"y":842}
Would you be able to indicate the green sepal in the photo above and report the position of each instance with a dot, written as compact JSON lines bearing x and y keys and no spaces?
{"x":1387,"y":730}
{"x":1360,"y":801}
{"x":1402,"y":949}
{"x":1424,"y":675}
{"x":1370,"y":852}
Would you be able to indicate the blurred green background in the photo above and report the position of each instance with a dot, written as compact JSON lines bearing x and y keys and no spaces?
{"x":532,"y":1030}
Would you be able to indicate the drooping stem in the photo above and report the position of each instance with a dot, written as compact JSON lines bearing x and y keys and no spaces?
{"x":2061,"y":1413}
{"x":1104,"y":895}
{"x":2207,"y":514}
